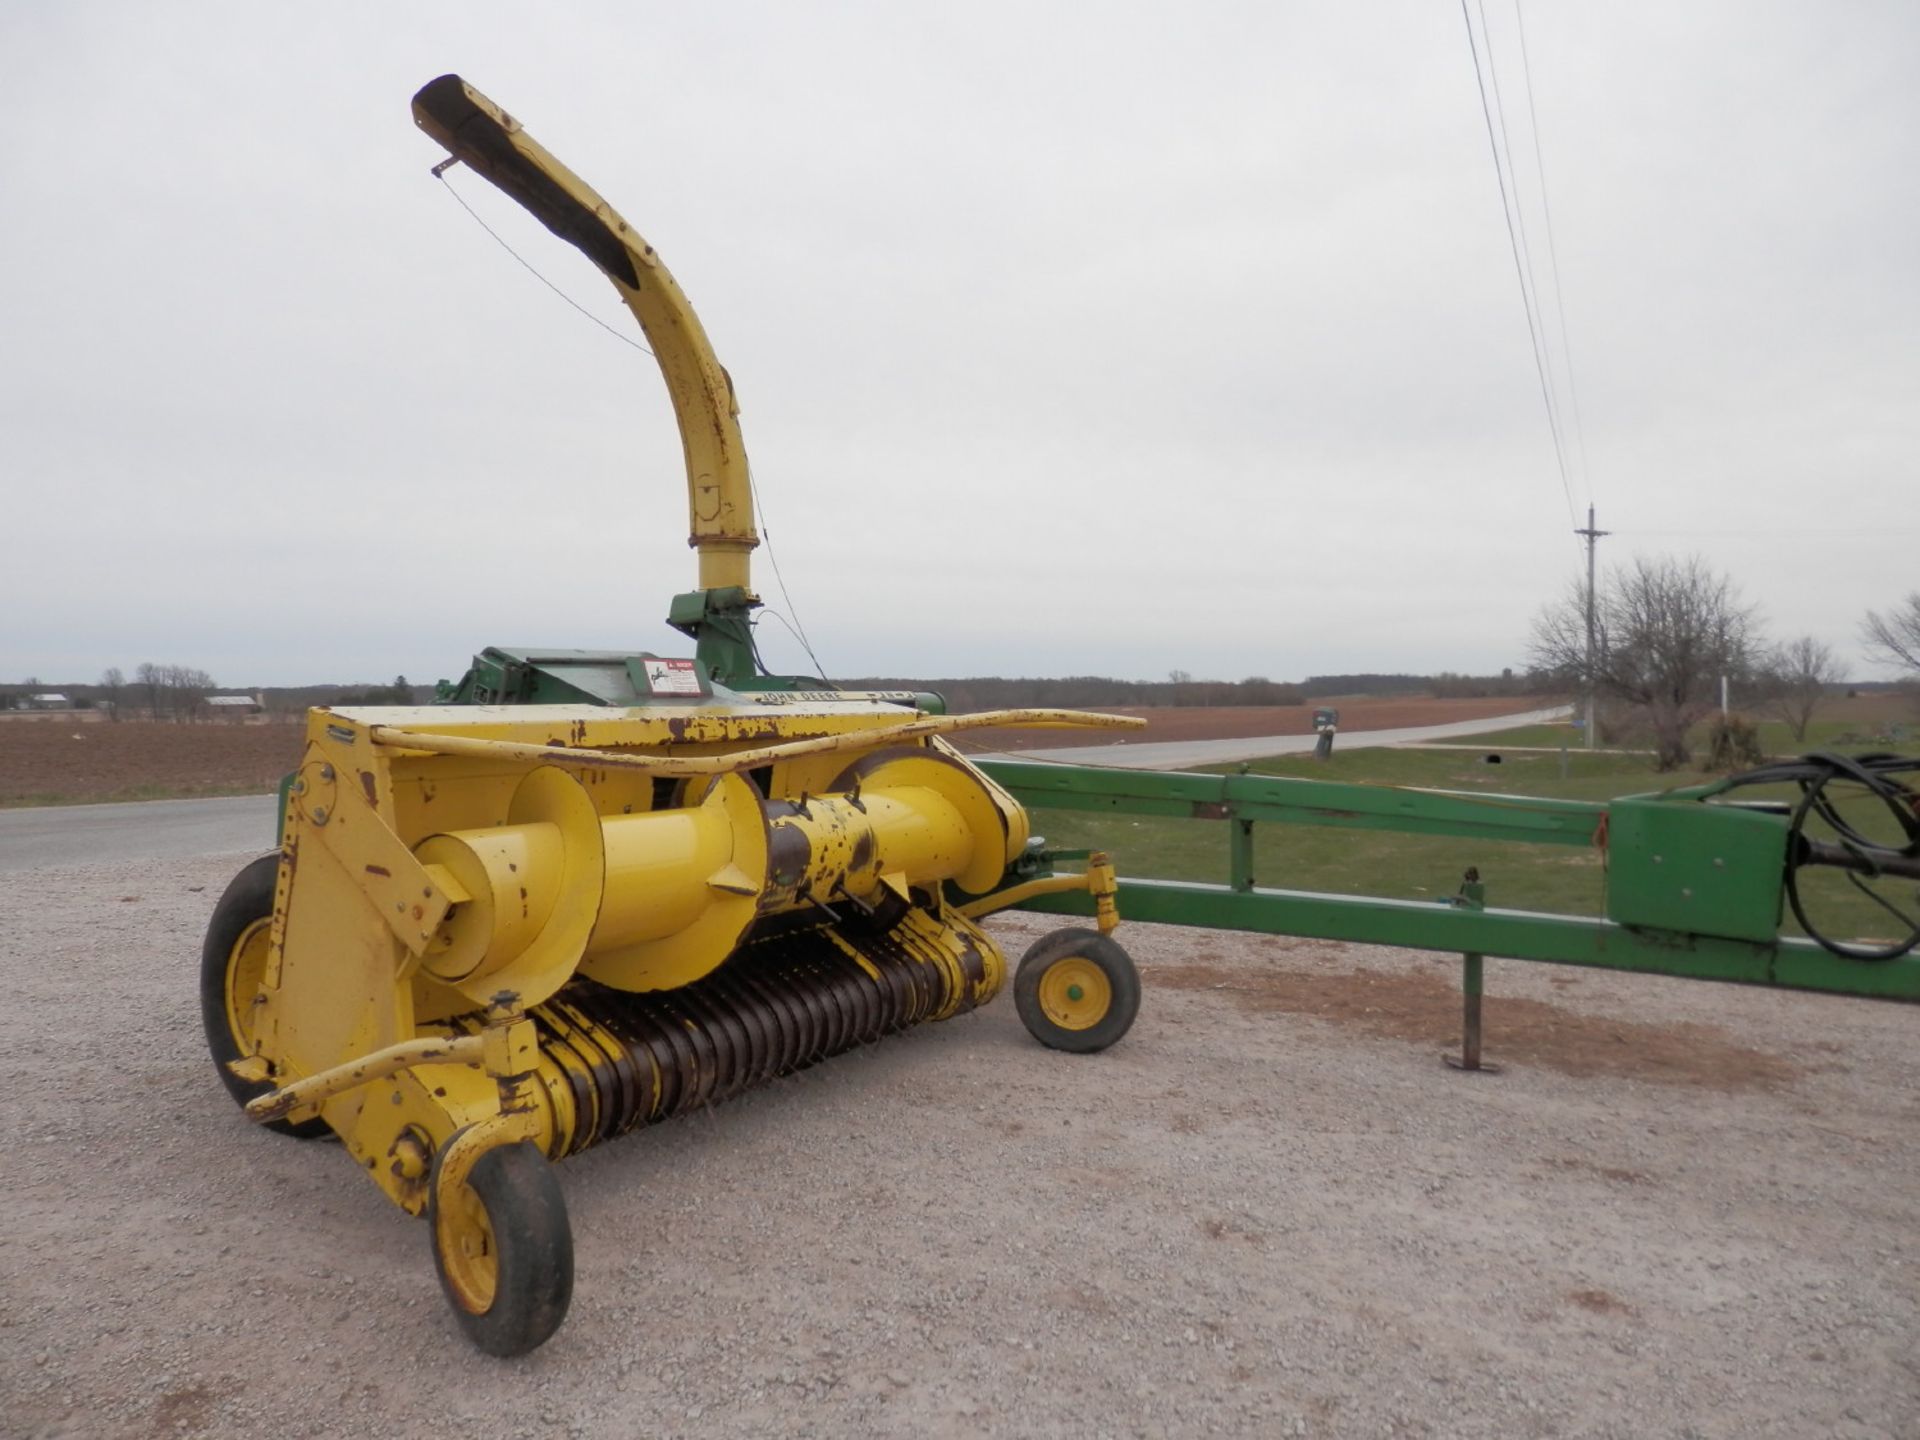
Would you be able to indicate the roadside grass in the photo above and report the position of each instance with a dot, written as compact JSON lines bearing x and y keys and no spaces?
{"x":1550,"y":736}
{"x":1517,"y":876}
{"x":1851,"y":727}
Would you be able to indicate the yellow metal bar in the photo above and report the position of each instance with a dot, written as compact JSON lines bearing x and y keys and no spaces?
{"x":434,"y":1050}
{"x":679,"y":765}
{"x":1105,"y":888}
{"x":1026,"y":890}
{"x":491,"y":142}
{"x":1099,"y":881}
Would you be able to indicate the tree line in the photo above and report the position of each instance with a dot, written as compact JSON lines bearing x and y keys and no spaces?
{"x":173,"y":692}
{"x":1668,"y":630}
{"x":180,"y":693}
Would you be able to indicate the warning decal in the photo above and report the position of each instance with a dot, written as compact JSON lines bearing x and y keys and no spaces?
{"x":672,"y":677}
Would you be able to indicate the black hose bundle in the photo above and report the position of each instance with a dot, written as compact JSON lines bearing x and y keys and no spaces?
{"x":1851,"y":850}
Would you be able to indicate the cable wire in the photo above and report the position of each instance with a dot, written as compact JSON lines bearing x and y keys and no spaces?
{"x":819,"y":669}
{"x":1530,"y":281}
{"x":461,"y":201}
{"x":1717,"y":534}
{"x":1553,"y":253}
{"x":1507,"y":207}
{"x":796,"y":629}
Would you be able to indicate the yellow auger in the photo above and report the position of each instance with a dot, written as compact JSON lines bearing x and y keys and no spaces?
{"x":495,"y":934}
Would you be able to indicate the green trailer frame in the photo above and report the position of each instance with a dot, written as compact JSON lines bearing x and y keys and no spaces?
{"x":1695,"y":884}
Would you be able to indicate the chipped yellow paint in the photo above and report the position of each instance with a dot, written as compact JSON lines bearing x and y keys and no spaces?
{"x":530,"y":873}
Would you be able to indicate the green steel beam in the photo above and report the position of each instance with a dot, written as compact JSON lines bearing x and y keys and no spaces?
{"x":1300,"y":802}
{"x":1512,"y":934}
{"x":1680,"y":867}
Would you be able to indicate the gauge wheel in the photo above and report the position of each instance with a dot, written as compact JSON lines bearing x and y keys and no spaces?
{"x":233,"y":962}
{"x":1077,"y":990}
{"x":503,"y":1248}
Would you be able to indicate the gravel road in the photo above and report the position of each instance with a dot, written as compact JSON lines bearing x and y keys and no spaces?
{"x":35,"y":837}
{"x":1682,"y":1211}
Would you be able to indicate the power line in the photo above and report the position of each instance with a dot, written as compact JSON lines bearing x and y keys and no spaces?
{"x":1507,"y":207}
{"x":1553,"y":251}
{"x":1530,"y":282}
{"x":1880,"y":534}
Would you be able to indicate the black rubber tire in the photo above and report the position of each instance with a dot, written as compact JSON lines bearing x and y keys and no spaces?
{"x":533,"y":1283}
{"x":245,"y":902}
{"x":1114,"y":963}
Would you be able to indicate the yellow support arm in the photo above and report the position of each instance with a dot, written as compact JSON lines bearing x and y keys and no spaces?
{"x":491,"y":142}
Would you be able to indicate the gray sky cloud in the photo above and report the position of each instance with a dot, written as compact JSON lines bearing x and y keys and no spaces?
{"x":1176,"y":337}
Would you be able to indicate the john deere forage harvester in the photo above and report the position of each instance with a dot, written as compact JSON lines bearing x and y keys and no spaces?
{"x":601,"y":890}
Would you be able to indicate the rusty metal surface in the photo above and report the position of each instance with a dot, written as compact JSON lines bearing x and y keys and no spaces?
{"x":310,"y":1091}
{"x":400,"y":738}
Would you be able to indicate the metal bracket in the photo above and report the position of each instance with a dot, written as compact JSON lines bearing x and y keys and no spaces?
{"x":395,"y":883}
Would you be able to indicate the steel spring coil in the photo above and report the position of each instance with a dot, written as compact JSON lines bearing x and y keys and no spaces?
{"x":612,"y":1061}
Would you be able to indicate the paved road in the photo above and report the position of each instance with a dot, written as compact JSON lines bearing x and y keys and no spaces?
{"x":65,"y":835}
{"x":1183,"y":754}
{"x":62,"y":835}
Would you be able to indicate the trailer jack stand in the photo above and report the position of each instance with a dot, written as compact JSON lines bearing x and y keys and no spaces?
{"x":1472,"y":896}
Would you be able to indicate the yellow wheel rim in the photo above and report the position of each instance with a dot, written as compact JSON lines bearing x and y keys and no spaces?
{"x":467,"y":1254}
{"x":1075,"y":993}
{"x":246,"y":969}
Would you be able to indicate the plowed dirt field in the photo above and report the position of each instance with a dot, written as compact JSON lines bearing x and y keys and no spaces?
{"x":55,"y":759}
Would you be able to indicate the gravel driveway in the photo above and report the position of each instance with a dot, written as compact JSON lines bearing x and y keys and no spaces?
{"x":1683,"y":1210}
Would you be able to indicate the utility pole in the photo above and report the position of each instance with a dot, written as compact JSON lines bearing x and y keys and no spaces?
{"x":1592,"y":535}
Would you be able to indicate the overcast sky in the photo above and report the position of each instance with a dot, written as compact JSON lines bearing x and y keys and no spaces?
{"x":1068,"y":339}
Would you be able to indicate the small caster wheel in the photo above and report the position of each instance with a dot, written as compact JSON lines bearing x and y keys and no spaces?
{"x":503,"y":1248}
{"x":233,"y":962}
{"x":1076,"y":990}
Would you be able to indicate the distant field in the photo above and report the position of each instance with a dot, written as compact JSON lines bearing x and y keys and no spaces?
{"x":52,"y":761}
{"x":63,"y":760}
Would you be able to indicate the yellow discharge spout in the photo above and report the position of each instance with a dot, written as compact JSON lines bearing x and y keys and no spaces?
{"x":492,"y":143}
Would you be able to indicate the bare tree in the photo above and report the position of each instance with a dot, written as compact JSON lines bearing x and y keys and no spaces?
{"x":188,"y":687}
{"x":1668,"y":630}
{"x":113,"y":682}
{"x":147,"y":676}
{"x":1894,"y":638}
{"x":1795,"y":678}
{"x":178,"y":689}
